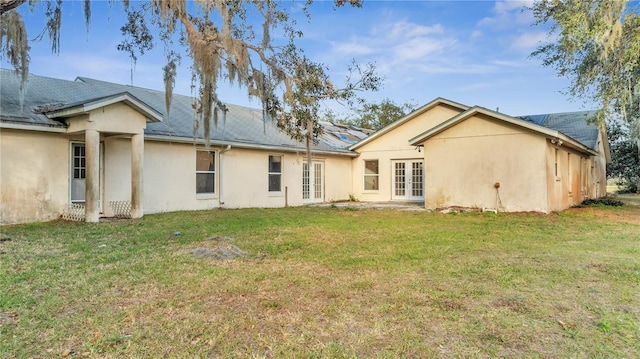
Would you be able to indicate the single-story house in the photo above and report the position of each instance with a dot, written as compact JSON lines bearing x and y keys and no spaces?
{"x":85,"y":149}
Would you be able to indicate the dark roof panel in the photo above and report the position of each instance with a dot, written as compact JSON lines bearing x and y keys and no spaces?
{"x":577,"y":125}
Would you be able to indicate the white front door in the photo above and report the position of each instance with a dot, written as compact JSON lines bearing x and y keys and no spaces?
{"x":313,"y":182}
{"x":77,"y":177}
{"x":408,"y":180}
{"x":78,"y":169}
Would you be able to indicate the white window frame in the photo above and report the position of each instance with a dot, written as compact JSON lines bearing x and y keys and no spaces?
{"x":370,"y":175}
{"x":274,"y":173}
{"x":212,"y":172}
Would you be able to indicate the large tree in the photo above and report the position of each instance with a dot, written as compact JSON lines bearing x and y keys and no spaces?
{"x":375,"y":116}
{"x":596,"y":44}
{"x":223,"y":45}
{"x":625,"y":163}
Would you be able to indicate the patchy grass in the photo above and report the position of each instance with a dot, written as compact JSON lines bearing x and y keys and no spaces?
{"x":629,"y":198}
{"x":326,"y":283}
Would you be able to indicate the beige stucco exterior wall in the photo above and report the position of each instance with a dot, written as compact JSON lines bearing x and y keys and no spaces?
{"x":38,"y":189}
{"x":169,"y":176}
{"x":463,"y":164}
{"x":34,"y":174}
{"x":245,"y":178}
{"x":579,"y":176}
{"x":337,"y":178}
{"x":394,"y":145}
{"x":241,"y":177}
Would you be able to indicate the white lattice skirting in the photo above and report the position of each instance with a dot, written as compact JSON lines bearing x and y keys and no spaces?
{"x":121,"y":209}
{"x":74,"y":212}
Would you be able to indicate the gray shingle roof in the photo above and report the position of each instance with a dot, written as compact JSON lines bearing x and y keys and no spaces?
{"x":242,"y":124}
{"x":576,"y":125}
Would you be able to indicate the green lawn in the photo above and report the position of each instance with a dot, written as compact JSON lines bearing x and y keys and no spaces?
{"x":326,"y":283}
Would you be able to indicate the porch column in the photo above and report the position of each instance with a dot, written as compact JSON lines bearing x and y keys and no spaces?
{"x":92,"y":177}
{"x":137,"y":164}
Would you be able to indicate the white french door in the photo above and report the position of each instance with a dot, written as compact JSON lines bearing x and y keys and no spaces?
{"x":77,"y":175}
{"x":313,"y":182}
{"x":408,"y":180}
{"x":78,"y":169}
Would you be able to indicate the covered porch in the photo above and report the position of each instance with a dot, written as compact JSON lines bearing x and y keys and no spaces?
{"x":89,"y":125}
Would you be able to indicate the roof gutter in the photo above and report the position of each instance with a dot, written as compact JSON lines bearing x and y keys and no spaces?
{"x":560,"y":139}
{"x":39,"y":128}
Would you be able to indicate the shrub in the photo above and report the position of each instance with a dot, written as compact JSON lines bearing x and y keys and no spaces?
{"x":602,"y":201}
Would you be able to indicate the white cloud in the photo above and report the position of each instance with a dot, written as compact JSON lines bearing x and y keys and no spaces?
{"x":415,"y":49}
{"x":510,"y":5}
{"x":507,"y":14}
{"x":404,"y":39}
{"x":411,"y":30}
{"x":528,"y":40}
{"x":352,"y":48}
{"x":399,"y":45}
{"x":477,"y":86}
{"x":511,"y":64}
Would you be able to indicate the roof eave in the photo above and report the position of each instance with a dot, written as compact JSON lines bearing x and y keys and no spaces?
{"x":32,"y":127}
{"x":245,"y":145}
{"x":84,"y":108}
{"x":549,"y":133}
{"x":573,"y":143}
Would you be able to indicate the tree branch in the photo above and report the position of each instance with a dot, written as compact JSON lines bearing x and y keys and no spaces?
{"x":6,"y":5}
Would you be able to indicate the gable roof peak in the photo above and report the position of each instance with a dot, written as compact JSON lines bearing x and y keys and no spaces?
{"x":420,"y":110}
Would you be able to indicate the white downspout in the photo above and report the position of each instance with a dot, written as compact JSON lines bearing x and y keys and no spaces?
{"x":221,"y":175}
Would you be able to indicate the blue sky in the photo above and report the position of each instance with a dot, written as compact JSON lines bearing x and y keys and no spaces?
{"x":472,"y":52}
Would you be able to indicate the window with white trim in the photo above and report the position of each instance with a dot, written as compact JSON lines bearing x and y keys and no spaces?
{"x":275,"y":173}
{"x":371,"y":175}
{"x":205,"y":172}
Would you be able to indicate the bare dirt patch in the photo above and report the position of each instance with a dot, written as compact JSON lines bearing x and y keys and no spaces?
{"x":8,"y":318}
{"x":217,"y":248}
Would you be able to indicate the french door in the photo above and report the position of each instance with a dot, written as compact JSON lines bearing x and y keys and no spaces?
{"x":77,"y":175}
{"x":408,"y":180}
{"x":78,"y":169}
{"x":313,"y":182}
